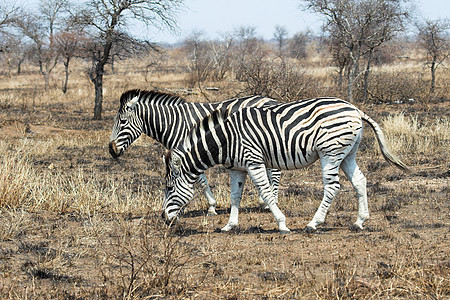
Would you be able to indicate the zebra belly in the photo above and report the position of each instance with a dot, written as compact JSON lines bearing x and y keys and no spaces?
{"x":292,"y":161}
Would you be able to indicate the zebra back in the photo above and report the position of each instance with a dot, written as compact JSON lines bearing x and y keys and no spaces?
{"x":156,"y":98}
{"x":283,"y":136}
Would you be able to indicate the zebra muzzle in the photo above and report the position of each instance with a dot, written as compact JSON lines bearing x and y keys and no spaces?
{"x":169,"y":221}
{"x":115,"y":153}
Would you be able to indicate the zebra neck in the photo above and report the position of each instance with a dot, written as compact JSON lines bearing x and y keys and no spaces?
{"x":198,"y":156}
{"x":207,"y":145}
{"x":164,"y":123}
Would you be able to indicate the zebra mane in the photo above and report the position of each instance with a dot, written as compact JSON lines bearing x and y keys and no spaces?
{"x":158,"y":98}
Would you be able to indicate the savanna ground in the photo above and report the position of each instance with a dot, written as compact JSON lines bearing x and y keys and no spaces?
{"x":77,"y":224}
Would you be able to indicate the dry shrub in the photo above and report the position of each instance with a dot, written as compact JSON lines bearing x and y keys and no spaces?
{"x":390,"y":86}
{"x":6,"y":100}
{"x":345,"y":284}
{"x":144,"y":261}
{"x":281,"y":79}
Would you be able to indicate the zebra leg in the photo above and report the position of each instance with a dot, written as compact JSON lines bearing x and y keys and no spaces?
{"x":330,"y":176}
{"x":274,"y":180}
{"x":237,"y":180}
{"x":203,"y":183}
{"x":358,"y":181}
{"x":258,"y":174}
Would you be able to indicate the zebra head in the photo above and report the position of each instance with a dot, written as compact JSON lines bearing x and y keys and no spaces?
{"x":127,"y":126}
{"x":179,"y":187}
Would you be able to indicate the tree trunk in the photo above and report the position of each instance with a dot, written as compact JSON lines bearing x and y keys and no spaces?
{"x":366,"y":75}
{"x":350,"y":80}
{"x":340,"y":77}
{"x":99,"y":63}
{"x":97,"y":79}
{"x":352,"y":75}
{"x":98,"y":86}
{"x":112,"y":64}
{"x":66,"y":67}
{"x":46,"y":80}
{"x":433,"y":76}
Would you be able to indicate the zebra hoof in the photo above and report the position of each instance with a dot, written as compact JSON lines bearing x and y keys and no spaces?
{"x":356,"y":228}
{"x":283,"y":229}
{"x":211,"y":213}
{"x":263,"y":206}
{"x":227,"y":228}
{"x":309,"y":229}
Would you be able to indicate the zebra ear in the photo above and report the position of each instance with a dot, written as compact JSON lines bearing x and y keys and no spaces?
{"x":132,"y":103}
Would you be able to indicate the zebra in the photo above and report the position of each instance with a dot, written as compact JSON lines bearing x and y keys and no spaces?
{"x":168,"y":118}
{"x":285,"y":136}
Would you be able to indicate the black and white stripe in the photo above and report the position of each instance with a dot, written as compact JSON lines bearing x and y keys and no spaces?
{"x":285,"y":136}
{"x":168,"y":118}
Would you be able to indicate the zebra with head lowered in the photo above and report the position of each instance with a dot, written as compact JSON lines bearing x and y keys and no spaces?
{"x":168,"y":118}
{"x":286,"y":136}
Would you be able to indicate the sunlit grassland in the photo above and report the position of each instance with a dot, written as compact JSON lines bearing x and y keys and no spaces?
{"x":75,"y":223}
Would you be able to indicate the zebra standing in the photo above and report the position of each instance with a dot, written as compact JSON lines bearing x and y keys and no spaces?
{"x":168,"y":118}
{"x":286,"y":136}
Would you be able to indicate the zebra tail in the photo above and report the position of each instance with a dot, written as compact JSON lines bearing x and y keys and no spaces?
{"x":388,"y":156}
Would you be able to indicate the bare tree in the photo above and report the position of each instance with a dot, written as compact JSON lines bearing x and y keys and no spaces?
{"x":280,"y":36}
{"x":298,"y":43}
{"x":108,"y":22}
{"x":434,"y":38}
{"x":247,"y":41}
{"x":69,"y":42}
{"x":14,"y":50}
{"x":41,"y":29}
{"x":389,"y":17}
{"x":247,"y":48}
{"x":361,"y":26}
{"x":200,"y":60}
{"x":9,"y":42}
{"x":222,"y":52}
{"x":208,"y":59}
{"x":341,"y":58}
{"x":8,"y":13}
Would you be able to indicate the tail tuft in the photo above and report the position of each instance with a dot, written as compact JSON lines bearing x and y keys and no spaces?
{"x":388,"y":156}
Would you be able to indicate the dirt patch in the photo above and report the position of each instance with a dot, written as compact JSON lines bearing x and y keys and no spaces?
{"x":17,"y":129}
{"x":73,"y":256}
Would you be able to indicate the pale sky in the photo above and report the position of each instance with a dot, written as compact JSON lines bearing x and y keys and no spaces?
{"x":223,"y":16}
{"x":218,"y":16}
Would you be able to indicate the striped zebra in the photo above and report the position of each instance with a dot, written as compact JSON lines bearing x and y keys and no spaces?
{"x":286,"y":136}
{"x":168,"y":118}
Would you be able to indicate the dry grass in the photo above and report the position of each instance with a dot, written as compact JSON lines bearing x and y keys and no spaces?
{"x":53,"y":188}
{"x":76,"y":224}
{"x":413,"y":135}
